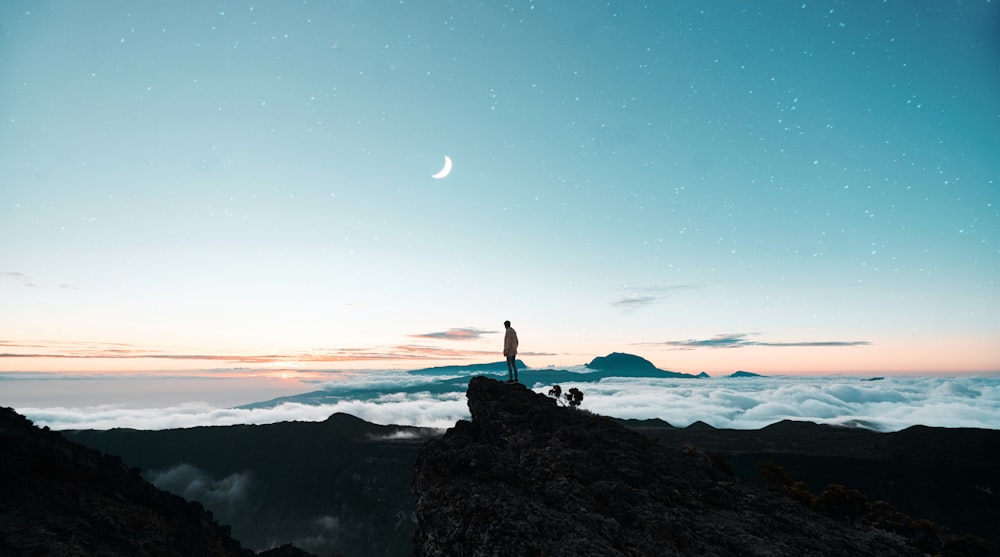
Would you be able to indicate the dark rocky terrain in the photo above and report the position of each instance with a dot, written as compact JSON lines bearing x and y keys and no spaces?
{"x":338,"y":486}
{"x":948,"y":476}
{"x":59,"y":498}
{"x":527,"y":477}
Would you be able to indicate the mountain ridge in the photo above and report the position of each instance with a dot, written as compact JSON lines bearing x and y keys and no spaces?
{"x":616,"y":364}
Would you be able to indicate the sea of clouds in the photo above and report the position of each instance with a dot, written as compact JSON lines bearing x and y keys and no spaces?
{"x":889,"y":404}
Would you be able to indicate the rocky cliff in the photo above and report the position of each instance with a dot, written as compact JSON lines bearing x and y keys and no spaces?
{"x":528,"y":477}
{"x":59,"y":498}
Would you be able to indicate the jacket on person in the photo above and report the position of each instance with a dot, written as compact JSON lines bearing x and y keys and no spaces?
{"x":510,"y":342}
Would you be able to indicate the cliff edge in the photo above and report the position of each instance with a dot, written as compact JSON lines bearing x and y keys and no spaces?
{"x":528,"y":477}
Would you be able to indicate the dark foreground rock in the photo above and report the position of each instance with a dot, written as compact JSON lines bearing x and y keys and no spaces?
{"x":527,"y":477}
{"x":59,"y":498}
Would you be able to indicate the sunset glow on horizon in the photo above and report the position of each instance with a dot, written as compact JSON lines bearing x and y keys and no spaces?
{"x":917,"y":358}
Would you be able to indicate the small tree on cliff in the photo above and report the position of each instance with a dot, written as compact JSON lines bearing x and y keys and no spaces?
{"x":572,"y":398}
{"x":556,"y":392}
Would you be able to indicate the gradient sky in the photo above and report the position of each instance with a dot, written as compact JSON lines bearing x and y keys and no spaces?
{"x":783,"y":187}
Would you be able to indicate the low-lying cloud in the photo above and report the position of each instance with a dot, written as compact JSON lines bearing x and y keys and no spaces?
{"x":421,"y":409}
{"x":319,"y":534}
{"x":889,"y":404}
{"x":224,"y":496}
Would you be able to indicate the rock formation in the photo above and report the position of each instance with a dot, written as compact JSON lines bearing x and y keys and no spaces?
{"x":59,"y":498}
{"x":528,"y":477}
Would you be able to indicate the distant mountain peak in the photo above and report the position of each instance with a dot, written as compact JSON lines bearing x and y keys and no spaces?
{"x":700,"y":425}
{"x":745,"y":374}
{"x":617,"y":361}
{"x":620,"y":364}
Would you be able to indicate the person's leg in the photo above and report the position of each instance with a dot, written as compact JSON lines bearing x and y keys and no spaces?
{"x":511,"y":369}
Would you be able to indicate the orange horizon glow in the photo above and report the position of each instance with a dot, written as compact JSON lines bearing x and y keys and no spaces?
{"x":901,"y":358}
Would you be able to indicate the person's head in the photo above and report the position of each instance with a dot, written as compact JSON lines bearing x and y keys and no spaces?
{"x":506,"y":324}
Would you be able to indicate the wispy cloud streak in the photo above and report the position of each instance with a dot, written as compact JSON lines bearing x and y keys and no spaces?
{"x":402,"y":352}
{"x":635,"y":302}
{"x":20,"y":277}
{"x":741,"y":341}
{"x":30,"y":282}
{"x":463,"y":333}
{"x":636,"y":298}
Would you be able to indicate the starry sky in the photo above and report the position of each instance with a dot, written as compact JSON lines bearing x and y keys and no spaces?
{"x":782,"y":187}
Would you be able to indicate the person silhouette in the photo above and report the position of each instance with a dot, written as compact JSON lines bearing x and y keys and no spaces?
{"x":510,"y":351}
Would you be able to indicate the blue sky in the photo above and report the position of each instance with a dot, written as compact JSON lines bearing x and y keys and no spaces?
{"x":785,"y":187}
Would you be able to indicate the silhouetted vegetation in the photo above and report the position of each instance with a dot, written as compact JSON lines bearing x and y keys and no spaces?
{"x":720,"y":462}
{"x":572,"y":398}
{"x":837,"y":501}
{"x":774,"y":473}
{"x":800,"y":492}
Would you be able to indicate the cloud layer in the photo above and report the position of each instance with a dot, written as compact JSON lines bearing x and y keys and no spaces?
{"x":197,"y":485}
{"x":888,"y":404}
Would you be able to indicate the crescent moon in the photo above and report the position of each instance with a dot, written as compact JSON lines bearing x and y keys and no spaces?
{"x":445,"y":170}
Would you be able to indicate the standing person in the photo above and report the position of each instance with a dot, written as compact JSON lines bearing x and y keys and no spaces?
{"x":510,"y":351}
